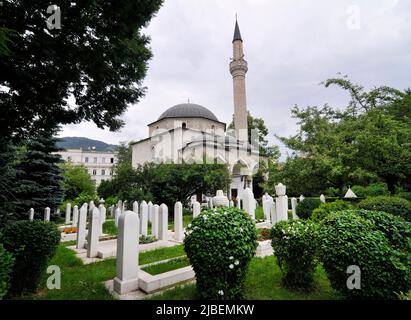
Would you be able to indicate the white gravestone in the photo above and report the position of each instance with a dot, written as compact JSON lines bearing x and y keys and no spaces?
{"x":302,"y":198}
{"x":196,"y":209}
{"x":281,"y":202}
{"x":68,"y":213}
{"x":249,"y":203}
{"x":117,"y":215}
{"x":126,"y":279}
{"x":93,"y":233}
{"x":178,"y":222}
{"x":154,"y":220}
{"x":273,"y":213}
{"x":150,"y":211}
{"x":47,"y":214}
{"x":102,"y":210}
{"x":143,"y":218}
{"x":294,"y":204}
{"x":231,"y":203}
{"x":238,"y":203}
{"x":322,"y":198}
{"x":31,"y":214}
{"x":135,"y":207}
{"x":220,"y":200}
{"x":81,"y":227}
{"x":163,"y":223}
{"x":267,"y":208}
{"x":119,"y":205}
{"x":75,"y":216}
{"x":91,"y":206}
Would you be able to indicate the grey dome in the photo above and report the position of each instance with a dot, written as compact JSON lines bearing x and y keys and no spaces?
{"x":188,"y":110}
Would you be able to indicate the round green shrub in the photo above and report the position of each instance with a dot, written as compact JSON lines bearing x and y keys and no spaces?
{"x":377,"y":189}
{"x":359,"y":191}
{"x":326,"y":208}
{"x":32,"y":244}
{"x":347,"y":239}
{"x":294,"y":246}
{"x":306,"y":207}
{"x":396,"y":229}
{"x":220,"y":244}
{"x":6,"y":267}
{"x":394,"y":205}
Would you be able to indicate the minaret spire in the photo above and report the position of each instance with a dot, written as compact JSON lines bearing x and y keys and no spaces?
{"x":238,"y":69}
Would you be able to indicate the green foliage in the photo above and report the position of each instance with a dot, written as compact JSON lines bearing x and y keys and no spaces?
{"x":77,"y":181}
{"x":377,"y":189}
{"x":394,"y":205}
{"x":347,"y":239}
{"x":364,"y":143}
{"x":359,"y":191}
{"x":167,"y":266}
{"x":103,"y":73}
{"x":294,"y":246}
{"x":6,"y":267}
{"x":332,"y":192}
{"x":33,"y":244}
{"x":39,"y":179}
{"x":306,"y":207}
{"x":109,"y":227}
{"x":325,"y":209}
{"x":220,"y":244}
{"x":395,"y":228}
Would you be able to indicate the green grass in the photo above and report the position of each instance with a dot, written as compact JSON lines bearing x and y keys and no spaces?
{"x":109,"y":227}
{"x":84,"y":282}
{"x":263,"y":283}
{"x":167,"y":266}
{"x":259,"y":213}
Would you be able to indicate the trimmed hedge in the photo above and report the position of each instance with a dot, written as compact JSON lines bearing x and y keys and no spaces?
{"x":394,"y":205}
{"x":306,"y":207}
{"x":33,"y":244}
{"x":326,"y":209}
{"x":294,"y":247}
{"x":6,"y":267}
{"x":347,"y":239}
{"x":396,"y":229}
{"x":220,"y":243}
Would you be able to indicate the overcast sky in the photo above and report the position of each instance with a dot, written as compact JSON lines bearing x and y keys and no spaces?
{"x":290,"y":45}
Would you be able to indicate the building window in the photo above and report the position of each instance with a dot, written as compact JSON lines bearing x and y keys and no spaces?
{"x":184,"y":125}
{"x":111,"y":160}
{"x":68,"y":159}
{"x":103,"y":172}
{"x":94,"y":172}
{"x":95,"y":160}
{"x":111,"y":172}
{"x":86,"y":159}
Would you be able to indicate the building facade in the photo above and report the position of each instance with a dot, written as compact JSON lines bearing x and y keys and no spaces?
{"x":99,"y":164}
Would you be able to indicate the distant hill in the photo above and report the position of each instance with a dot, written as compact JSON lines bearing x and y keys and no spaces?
{"x":85,"y":143}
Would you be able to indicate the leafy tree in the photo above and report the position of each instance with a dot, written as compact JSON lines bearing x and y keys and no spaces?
{"x":7,"y":180}
{"x":367,"y":142}
{"x":98,"y":58}
{"x":77,"y":180}
{"x":40,"y":183}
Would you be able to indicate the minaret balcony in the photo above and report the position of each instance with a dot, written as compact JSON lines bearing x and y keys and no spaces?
{"x":239,"y":67}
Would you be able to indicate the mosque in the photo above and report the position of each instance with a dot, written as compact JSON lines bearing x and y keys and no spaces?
{"x":191,"y":133}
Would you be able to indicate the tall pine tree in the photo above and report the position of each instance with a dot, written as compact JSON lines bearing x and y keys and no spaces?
{"x":39,"y":178}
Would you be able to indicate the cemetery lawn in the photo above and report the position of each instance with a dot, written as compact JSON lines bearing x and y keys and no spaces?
{"x":167,"y":266}
{"x":263,"y":283}
{"x":85,"y":282}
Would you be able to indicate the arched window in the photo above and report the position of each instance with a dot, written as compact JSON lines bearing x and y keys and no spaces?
{"x":184,"y":125}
